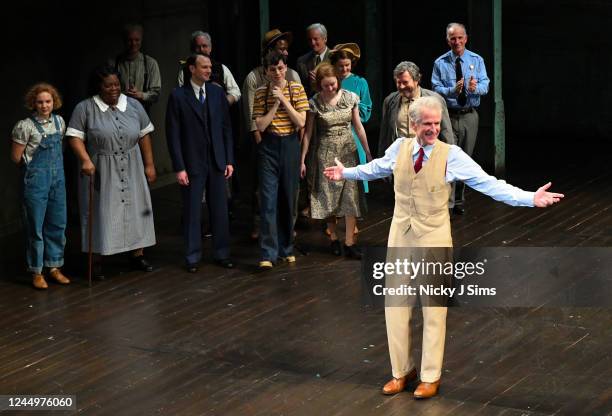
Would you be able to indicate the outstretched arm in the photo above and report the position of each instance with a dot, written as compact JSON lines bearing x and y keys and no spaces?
{"x":461,"y":167}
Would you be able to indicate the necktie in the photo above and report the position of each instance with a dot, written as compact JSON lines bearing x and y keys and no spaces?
{"x":317,"y":60}
{"x":419,"y":162}
{"x":201,"y":96}
{"x":462,"y":97}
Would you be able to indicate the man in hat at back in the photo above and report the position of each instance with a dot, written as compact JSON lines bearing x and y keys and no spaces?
{"x":273,"y":40}
{"x":139,"y":73}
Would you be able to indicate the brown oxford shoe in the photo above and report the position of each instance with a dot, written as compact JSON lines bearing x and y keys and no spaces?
{"x":59,"y":277}
{"x":397,"y":385}
{"x":426,"y":390}
{"x":38,"y":281}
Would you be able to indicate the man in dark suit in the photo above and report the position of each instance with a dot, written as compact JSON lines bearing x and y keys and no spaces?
{"x":199,"y":135}
{"x":317,"y":39}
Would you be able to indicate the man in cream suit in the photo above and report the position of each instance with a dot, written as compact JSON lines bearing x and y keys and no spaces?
{"x":423,"y":168}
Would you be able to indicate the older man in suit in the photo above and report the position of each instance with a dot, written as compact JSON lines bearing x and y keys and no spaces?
{"x":424,"y":167}
{"x":199,"y":135}
{"x":317,"y":39}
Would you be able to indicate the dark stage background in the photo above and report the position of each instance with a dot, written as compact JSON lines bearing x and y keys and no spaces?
{"x":555,"y":65}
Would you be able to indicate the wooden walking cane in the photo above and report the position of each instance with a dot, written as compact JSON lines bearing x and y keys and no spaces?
{"x":90,"y":227}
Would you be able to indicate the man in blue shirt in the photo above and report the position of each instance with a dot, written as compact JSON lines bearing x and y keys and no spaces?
{"x":423,"y":168}
{"x":461,"y":78}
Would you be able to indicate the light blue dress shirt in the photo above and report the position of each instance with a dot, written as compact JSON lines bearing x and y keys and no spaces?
{"x":459,"y":167}
{"x":443,"y":78}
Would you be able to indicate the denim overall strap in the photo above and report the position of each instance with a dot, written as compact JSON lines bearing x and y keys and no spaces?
{"x":49,"y":151}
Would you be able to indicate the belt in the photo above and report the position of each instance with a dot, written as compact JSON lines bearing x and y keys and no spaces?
{"x":460,"y":110}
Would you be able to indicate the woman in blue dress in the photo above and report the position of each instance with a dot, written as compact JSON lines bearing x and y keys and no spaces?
{"x":344,"y":56}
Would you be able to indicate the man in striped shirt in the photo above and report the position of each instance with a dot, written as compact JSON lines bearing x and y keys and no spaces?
{"x":279,"y":111}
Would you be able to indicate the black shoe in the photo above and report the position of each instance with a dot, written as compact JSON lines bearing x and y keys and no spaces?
{"x":336,"y":249}
{"x":207,"y":233}
{"x":227,"y":263}
{"x":459,"y":210}
{"x":140,"y":263}
{"x":97,"y":273}
{"x":192,"y":267}
{"x":352,"y":252}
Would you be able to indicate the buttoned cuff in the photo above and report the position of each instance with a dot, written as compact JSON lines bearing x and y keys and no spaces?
{"x":349,"y":173}
{"x":525,"y":198}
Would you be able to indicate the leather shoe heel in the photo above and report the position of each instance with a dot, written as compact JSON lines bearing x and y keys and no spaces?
{"x":227,"y":263}
{"x":459,"y":210}
{"x":140,"y":263}
{"x":336,"y":249}
{"x":352,"y":252}
{"x":426,"y":390}
{"x":397,"y":385}
{"x":38,"y":281}
{"x":59,"y":277}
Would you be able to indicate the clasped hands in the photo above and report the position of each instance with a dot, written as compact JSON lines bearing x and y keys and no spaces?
{"x":471,"y":85}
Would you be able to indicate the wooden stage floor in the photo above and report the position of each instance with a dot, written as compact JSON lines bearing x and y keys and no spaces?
{"x":297,"y":340}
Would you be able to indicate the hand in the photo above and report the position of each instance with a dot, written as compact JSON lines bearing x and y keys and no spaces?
{"x":278,"y":94}
{"x":182,"y":178}
{"x":303,"y":170}
{"x":134,"y":93}
{"x":368,"y":156}
{"x":459,"y":86}
{"x":229,"y":169}
{"x":257,"y":136}
{"x":88,"y":168}
{"x":472,"y":85}
{"x":150,"y":173}
{"x":334,"y":173}
{"x":542,"y":198}
{"x":312,"y":76}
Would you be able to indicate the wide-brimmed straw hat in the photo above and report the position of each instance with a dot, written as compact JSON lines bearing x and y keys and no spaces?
{"x":352,"y":49}
{"x":273,"y":35}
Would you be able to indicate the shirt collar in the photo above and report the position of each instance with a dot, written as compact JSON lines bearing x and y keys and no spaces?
{"x":196,"y":88}
{"x":41,"y":120}
{"x":416,"y":95}
{"x":454,"y":57}
{"x":428,"y":149}
{"x":322,"y":54}
{"x":121,"y":103}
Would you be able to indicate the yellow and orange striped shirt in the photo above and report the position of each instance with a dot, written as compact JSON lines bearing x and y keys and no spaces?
{"x":281,"y":123}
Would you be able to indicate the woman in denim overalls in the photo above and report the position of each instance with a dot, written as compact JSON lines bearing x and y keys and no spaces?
{"x":37,"y":149}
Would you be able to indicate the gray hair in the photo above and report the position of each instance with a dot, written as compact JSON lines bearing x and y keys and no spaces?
{"x":415,"y":111}
{"x":407,"y":66}
{"x":196,"y":35}
{"x":319,"y":27}
{"x":454,"y":25}
{"x":132,"y":27}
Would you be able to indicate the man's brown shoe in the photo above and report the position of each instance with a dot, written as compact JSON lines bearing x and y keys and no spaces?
{"x":426,"y":390}
{"x":397,"y":385}
{"x":39,"y":281}
{"x":59,"y":277}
